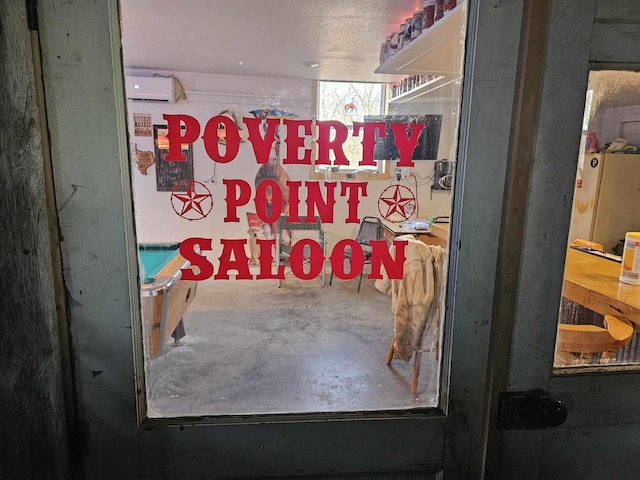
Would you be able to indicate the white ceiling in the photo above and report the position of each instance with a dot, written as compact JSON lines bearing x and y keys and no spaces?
{"x":271,"y":38}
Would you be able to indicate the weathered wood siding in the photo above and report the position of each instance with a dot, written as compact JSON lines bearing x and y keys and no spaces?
{"x":32,"y":420}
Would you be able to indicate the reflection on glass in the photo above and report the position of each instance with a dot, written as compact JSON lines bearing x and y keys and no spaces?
{"x":600,"y":308}
{"x":292,"y":183}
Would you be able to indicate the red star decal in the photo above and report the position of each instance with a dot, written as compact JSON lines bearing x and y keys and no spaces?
{"x":396,"y":200}
{"x":197,"y":201}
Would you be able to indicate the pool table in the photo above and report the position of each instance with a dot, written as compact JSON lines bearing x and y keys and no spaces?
{"x":165,"y":297}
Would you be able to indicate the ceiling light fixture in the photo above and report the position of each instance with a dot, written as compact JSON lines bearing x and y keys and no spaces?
{"x":311,"y":64}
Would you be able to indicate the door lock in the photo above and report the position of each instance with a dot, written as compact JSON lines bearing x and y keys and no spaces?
{"x":529,"y":410}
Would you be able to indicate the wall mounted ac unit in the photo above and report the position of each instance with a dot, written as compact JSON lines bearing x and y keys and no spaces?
{"x":153,"y":89}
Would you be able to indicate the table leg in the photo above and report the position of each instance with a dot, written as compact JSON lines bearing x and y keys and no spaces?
{"x":391,"y":349}
{"x":178,"y":333}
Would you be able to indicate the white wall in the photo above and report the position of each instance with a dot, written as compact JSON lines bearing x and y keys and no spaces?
{"x":207,"y":96}
{"x":611,"y":89}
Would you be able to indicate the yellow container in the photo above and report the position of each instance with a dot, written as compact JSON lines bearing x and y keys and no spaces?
{"x":631,"y":259}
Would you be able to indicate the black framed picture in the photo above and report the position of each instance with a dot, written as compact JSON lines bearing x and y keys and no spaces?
{"x":169,"y":174}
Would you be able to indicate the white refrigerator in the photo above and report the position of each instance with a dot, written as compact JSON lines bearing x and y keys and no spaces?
{"x":606,"y":201}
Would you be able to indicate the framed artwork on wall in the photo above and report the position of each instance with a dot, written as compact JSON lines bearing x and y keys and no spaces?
{"x":170,"y":174}
{"x":142,"y":124}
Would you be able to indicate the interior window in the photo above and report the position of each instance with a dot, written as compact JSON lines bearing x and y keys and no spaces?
{"x":350,"y":102}
{"x":292,"y":215}
{"x":600,"y":309}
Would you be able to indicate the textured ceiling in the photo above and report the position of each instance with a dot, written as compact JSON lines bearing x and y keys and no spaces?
{"x":272,"y":38}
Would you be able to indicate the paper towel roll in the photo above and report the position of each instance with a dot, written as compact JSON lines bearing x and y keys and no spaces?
{"x":631,"y":259}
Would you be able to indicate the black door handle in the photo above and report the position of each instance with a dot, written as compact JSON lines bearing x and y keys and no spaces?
{"x":554,"y":413}
{"x":529,"y":410}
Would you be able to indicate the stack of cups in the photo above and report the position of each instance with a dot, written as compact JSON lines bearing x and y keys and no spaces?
{"x":393,"y":44}
{"x":401,"y":35}
{"x":407,"y":30}
{"x":631,"y":259}
{"x":416,"y":24}
{"x":439,"y":9}
{"x":429,"y":8}
{"x":383,"y":52}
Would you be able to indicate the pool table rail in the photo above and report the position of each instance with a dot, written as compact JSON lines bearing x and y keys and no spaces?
{"x":166,"y":277}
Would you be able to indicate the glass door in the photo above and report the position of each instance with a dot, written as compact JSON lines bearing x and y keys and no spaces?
{"x":292,"y":205}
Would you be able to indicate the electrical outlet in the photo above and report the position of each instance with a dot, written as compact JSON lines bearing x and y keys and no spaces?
{"x":401,"y":173}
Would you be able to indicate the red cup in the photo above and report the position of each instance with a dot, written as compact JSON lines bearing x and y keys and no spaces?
{"x":429,"y":8}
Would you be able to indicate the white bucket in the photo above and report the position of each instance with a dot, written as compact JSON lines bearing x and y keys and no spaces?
{"x":631,"y":259}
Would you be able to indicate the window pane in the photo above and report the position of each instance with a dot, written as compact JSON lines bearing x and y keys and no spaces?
{"x":600,"y":309}
{"x":349,"y":102}
{"x":270,"y":285}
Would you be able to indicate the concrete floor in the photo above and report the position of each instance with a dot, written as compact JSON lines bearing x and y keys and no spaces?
{"x":251,"y":347}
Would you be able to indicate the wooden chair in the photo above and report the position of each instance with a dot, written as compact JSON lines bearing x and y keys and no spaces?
{"x":579,"y":242}
{"x":417,"y":360}
{"x":576,"y":341}
{"x":431,"y":327}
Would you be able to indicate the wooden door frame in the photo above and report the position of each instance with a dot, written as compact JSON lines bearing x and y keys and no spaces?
{"x":582,"y":35}
{"x":522,"y":354}
{"x":34,"y":406}
{"x":496,"y":58}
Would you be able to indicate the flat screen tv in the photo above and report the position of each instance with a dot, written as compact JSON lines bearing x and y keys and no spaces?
{"x":428,"y":140}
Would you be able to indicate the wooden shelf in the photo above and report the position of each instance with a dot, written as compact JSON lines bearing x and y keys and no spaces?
{"x":431,"y":86}
{"x":436,"y":51}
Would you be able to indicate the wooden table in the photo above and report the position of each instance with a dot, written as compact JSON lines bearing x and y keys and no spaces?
{"x":431,"y":236}
{"x":593,"y":282}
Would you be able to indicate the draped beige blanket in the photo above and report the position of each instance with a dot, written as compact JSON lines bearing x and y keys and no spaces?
{"x":415,"y":298}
